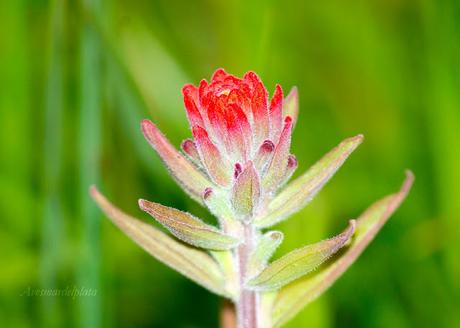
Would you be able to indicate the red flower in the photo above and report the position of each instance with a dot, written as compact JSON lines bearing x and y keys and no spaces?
{"x":240,"y":140}
{"x":233,"y":124}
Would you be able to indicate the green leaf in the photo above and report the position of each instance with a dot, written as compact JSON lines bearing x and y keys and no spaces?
{"x":292,"y":298}
{"x":217,"y":201}
{"x":192,"y":263}
{"x":188,"y":228}
{"x":299,"y":262}
{"x":263,"y":251}
{"x":301,"y":191}
{"x":228,"y":266}
{"x":246,"y":191}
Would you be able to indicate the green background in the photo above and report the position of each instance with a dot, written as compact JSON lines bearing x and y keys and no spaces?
{"x":76,"y":77}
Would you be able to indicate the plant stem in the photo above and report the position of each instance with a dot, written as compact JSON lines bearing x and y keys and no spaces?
{"x":246,"y":306}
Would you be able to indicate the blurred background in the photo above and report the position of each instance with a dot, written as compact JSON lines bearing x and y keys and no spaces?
{"x":76,"y":77}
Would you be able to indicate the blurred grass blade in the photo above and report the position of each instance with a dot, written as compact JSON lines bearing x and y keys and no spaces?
{"x":265,"y":248}
{"x":185,"y":173}
{"x":292,"y":298}
{"x":192,"y":263}
{"x":53,"y":232}
{"x":300,"y":262}
{"x":89,"y":149}
{"x":188,"y":228}
{"x":301,"y":191}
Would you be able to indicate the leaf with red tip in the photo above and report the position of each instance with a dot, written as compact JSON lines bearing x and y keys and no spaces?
{"x":189,"y":148}
{"x":218,"y":168}
{"x":295,"y":296}
{"x":301,"y":191}
{"x":276,"y":113}
{"x":238,"y":133}
{"x":264,"y":154}
{"x":190,"y":93}
{"x":246,"y":191}
{"x":188,"y":228}
{"x":185,"y":173}
{"x":218,"y":204}
{"x":238,"y":170}
{"x":291,"y":105}
{"x":291,"y":167}
{"x":299,"y":262}
{"x":218,"y":121}
{"x":259,"y":106}
{"x":191,"y":262}
{"x":278,"y":165}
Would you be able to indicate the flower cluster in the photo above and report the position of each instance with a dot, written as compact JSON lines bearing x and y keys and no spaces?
{"x":235,"y":129}
{"x":239,"y":137}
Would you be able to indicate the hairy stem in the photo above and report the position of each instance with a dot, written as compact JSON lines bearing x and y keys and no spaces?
{"x":246,"y":306}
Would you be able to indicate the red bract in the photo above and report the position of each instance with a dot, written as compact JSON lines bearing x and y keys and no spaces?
{"x":232,"y":124}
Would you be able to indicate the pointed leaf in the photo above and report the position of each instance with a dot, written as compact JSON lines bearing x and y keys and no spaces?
{"x":189,"y":148}
{"x":291,"y":105}
{"x":192,"y":263}
{"x":301,"y":191}
{"x":292,"y":298}
{"x":276,"y":113}
{"x":246,"y":191}
{"x":216,"y":200}
{"x":259,"y":104}
{"x":264,"y":249}
{"x":211,"y":157}
{"x":185,"y":173}
{"x":299,"y":262}
{"x":238,"y":133}
{"x":190,"y":93}
{"x":263,"y":156}
{"x":278,"y":165}
{"x":188,"y":228}
{"x":291,"y":167}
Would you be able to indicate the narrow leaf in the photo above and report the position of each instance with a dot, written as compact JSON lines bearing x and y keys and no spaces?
{"x":301,"y":191}
{"x":189,"y":148}
{"x":259,"y":104}
{"x":292,"y":298}
{"x":299,"y":262}
{"x":192,"y":263}
{"x":216,"y":200}
{"x":278,"y":165}
{"x":188,"y":228}
{"x":291,"y":105}
{"x":291,"y":167}
{"x":276,"y":113}
{"x":190,"y":94}
{"x":185,"y":173}
{"x":246,"y":191}
{"x":216,"y":166}
{"x":265,"y":248}
{"x":264,"y":155}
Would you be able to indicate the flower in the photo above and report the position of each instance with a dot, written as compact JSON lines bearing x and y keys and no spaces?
{"x":236,"y":129}
{"x":235,"y":165}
